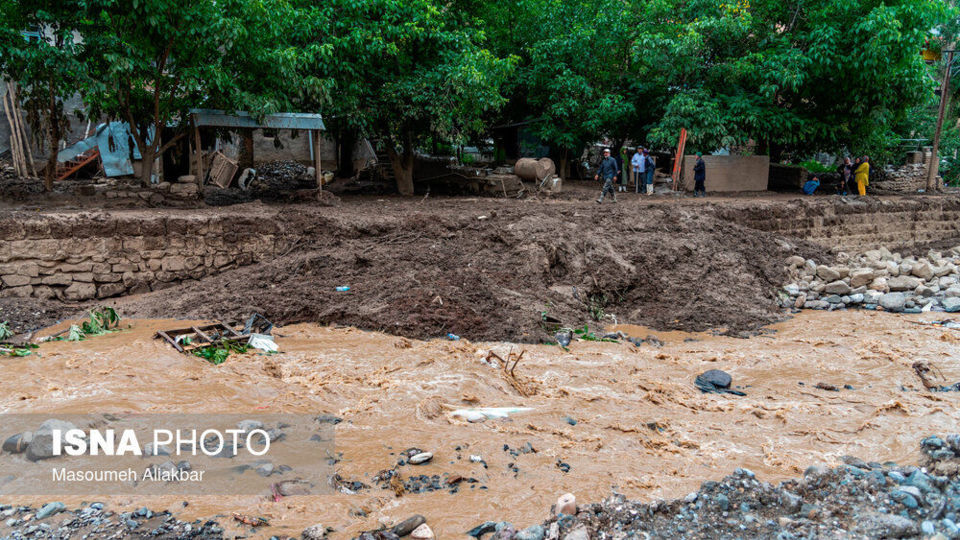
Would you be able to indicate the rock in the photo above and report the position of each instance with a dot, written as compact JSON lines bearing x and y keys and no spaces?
{"x":187,"y":179}
{"x":903,"y":283}
{"x":566,"y":504}
{"x":880,"y":284}
{"x":837,"y":287}
{"x":862,"y":277}
{"x":50,"y":509}
{"x":856,"y":299}
{"x":893,"y":268}
{"x":422,"y":532}
{"x":876,"y":525}
{"x":893,"y":302}
{"x":834,"y":299}
{"x":80,"y":291}
{"x":314,"y":532}
{"x":809,"y":267}
{"x":872,"y":297}
{"x":408,"y":525}
{"x":951,"y":304}
{"x":421,"y":458}
{"x":827,"y":273}
{"x":923,"y":271}
{"x":925,"y":291}
{"x":535,"y":532}
{"x":18,"y":443}
{"x":795,"y":261}
{"x":41,"y":447}
{"x":952,"y":292}
{"x":720,"y":379}
{"x":579,"y":533}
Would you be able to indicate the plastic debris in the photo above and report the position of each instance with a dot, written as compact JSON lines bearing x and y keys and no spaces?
{"x":479,"y":415}
{"x":343,"y":289}
{"x":263,"y":342}
{"x":453,"y":337}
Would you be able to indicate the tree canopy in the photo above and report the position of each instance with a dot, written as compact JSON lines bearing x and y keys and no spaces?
{"x":790,"y":77}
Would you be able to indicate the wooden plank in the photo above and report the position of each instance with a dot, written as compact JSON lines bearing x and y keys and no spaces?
{"x":201,"y":335}
{"x":199,"y":151}
{"x":316,"y":158}
{"x":170,"y":340}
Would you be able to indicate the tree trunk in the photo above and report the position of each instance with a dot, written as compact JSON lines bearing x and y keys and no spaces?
{"x":402,"y":163}
{"x":148,"y":154}
{"x":245,"y":157}
{"x":564,"y":164}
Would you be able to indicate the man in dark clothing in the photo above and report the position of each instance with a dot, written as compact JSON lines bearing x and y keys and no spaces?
{"x":607,"y":173}
{"x":699,"y":177}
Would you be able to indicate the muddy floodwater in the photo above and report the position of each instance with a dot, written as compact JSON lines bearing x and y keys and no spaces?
{"x":623,"y":418}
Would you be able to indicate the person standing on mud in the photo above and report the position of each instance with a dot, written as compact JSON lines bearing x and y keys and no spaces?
{"x":863,"y":176}
{"x":649,"y":167}
{"x":637,"y":163}
{"x":846,"y":176}
{"x":607,"y":174}
{"x":699,"y":177}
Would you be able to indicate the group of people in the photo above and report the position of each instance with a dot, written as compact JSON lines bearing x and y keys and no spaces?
{"x":854,"y":175}
{"x":642,"y":166}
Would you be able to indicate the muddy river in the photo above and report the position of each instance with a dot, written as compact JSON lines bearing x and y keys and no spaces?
{"x":641,"y":427}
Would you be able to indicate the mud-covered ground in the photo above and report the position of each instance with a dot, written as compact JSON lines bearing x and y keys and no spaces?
{"x":488,"y":269}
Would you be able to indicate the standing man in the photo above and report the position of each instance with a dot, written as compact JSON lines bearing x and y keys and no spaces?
{"x":649,"y":167}
{"x":863,"y":176}
{"x":699,"y":177}
{"x":637,"y":163}
{"x":607,"y":173}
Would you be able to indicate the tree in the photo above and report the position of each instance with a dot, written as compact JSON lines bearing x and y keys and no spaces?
{"x":804,"y":76}
{"x":154,"y":60}
{"x":400,"y":72}
{"x":48,"y":68}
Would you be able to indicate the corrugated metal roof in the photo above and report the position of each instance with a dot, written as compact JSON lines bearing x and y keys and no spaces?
{"x":223,"y":119}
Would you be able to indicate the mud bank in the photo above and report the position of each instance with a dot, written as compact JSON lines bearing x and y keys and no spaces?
{"x":640,"y":427}
{"x":483,"y":269}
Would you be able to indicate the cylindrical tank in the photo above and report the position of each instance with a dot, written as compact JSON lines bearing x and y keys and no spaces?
{"x":534,"y":170}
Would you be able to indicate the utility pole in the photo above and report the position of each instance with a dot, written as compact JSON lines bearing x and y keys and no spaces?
{"x":934,"y":169}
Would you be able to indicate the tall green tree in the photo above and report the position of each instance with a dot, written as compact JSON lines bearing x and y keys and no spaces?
{"x":154,"y":60}
{"x":47,"y":68}
{"x":400,"y":72}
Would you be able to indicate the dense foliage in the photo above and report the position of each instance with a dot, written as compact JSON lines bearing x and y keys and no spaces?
{"x":789,"y":78}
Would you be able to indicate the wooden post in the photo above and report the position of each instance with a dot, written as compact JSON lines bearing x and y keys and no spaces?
{"x":316,"y":157}
{"x":934,"y":168}
{"x":198,"y":151}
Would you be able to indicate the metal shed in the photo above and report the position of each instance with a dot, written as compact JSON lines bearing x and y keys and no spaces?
{"x":213,"y":118}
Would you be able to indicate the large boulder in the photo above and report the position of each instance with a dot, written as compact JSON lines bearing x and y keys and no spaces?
{"x":41,"y":447}
{"x":894,"y":301}
{"x":903,"y":283}
{"x":827,"y":273}
{"x":923,"y":270}
{"x":862,"y":277}
{"x":837,"y":287}
{"x":951,"y":304}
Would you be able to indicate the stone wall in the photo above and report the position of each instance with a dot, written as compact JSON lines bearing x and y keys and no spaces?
{"x":730,"y":173}
{"x":858,"y":225}
{"x":95,"y":255}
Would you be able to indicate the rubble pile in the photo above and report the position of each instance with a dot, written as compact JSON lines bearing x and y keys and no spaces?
{"x":908,"y":178}
{"x":876,"y":279}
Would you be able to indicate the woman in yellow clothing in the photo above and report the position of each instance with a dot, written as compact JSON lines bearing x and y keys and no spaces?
{"x":863,"y":176}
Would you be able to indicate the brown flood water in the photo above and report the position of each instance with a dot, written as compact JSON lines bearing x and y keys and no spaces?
{"x":397,"y":393}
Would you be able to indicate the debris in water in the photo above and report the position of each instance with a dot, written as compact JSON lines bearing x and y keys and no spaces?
{"x":488,"y":413}
{"x":249,"y":520}
{"x":263,"y":342}
{"x":716,"y":382}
